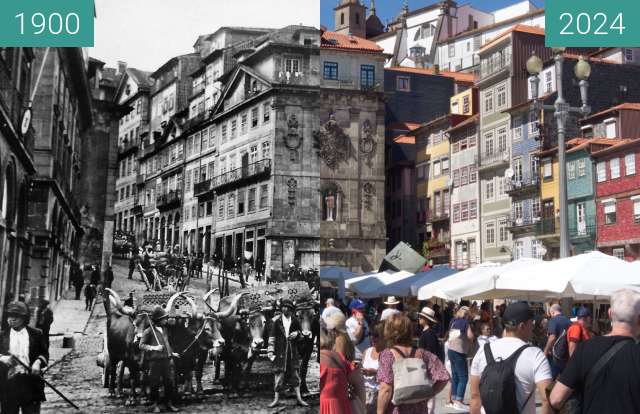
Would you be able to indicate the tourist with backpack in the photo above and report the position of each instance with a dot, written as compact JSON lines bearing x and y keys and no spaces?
{"x":557,"y":347}
{"x":460,"y":342}
{"x":408,"y":376}
{"x":506,"y":373}
{"x":604,"y":372}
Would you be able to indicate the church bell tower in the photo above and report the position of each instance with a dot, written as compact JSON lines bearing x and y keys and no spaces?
{"x":350,"y":18}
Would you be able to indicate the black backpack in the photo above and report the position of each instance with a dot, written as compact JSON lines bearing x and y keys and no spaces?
{"x":498,"y":384}
{"x":560,"y":348}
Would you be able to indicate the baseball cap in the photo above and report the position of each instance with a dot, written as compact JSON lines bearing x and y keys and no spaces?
{"x":517,"y":312}
{"x":583,"y":312}
{"x":356,"y":304}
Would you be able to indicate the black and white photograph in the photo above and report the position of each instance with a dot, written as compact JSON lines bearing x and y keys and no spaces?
{"x":159,"y":228}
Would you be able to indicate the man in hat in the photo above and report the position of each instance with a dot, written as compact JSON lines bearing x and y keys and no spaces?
{"x":579,"y":331}
{"x":357,"y":327}
{"x":532,"y":371}
{"x":429,"y":335}
{"x":283,"y":351}
{"x":392,"y":308}
{"x":21,"y":388}
{"x":159,"y":354}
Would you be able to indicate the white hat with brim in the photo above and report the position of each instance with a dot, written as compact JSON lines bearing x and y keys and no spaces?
{"x":391,"y":300}
{"x":428,"y":314}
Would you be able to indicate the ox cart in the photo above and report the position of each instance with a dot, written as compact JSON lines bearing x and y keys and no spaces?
{"x":145,"y":302}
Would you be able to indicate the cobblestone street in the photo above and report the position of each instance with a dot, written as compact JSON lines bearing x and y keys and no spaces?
{"x":79,"y":378}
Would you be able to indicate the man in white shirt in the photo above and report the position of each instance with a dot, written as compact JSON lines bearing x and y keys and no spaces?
{"x":532,"y":369}
{"x":330,"y":309}
{"x":392,"y":304}
{"x":26,"y":345}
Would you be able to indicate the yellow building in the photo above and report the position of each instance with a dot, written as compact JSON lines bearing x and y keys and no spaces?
{"x":433,"y":185}
{"x":548,"y":227}
{"x":464,"y":102}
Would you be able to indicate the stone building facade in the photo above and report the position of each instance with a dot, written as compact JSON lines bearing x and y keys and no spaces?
{"x":16,"y":165}
{"x":133,"y":92}
{"x":351,"y":143}
{"x":62,"y":114}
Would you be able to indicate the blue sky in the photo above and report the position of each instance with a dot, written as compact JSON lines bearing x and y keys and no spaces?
{"x":387,"y":9}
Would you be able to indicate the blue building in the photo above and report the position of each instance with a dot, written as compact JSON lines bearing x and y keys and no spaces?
{"x":522,"y":183}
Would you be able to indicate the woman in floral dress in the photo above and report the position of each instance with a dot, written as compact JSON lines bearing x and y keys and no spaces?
{"x":398,"y":333}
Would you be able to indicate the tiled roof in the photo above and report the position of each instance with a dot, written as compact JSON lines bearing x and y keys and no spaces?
{"x":579,"y":143}
{"x":521,"y":28}
{"x":470,"y":120}
{"x":634,"y":106}
{"x":482,"y":29}
{"x":622,"y":145}
{"x":333,"y":40}
{"x":457,"y":76}
{"x":403,"y":126}
{"x":404,"y":139}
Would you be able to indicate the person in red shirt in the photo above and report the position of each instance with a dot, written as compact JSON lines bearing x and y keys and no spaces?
{"x":579,"y":331}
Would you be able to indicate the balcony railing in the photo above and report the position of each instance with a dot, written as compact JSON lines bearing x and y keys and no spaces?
{"x":494,"y":159}
{"x":128,"y":146}
{"x":438,"y":251}
{"x":548,"y":226}
{"x":494,"y":64}
{"x":10,"y":98}
{"x":169,"y":200}
{"x":584,"y":230}
{"x":522,"y":223}
{"x":233,"y":177}
{"x":435,"y":216}
{"x":522,"y":185}
{"x":137,"y":210}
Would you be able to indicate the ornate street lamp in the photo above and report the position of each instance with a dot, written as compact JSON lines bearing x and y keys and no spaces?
{"x":561,"y":109}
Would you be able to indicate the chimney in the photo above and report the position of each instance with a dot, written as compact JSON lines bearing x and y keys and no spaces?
{"x":122,"y":66}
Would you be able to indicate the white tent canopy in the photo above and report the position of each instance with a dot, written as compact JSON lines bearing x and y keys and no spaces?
{"x":372,"y":285}
{"x":455,"y":286}
{"x":589,"y":275}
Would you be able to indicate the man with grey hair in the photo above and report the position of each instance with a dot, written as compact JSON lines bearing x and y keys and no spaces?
{"x":330,"y":309}
{"x":556,"y":331}
{"x":604,"y":372}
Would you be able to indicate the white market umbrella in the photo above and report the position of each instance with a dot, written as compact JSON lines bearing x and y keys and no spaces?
{"x":590,"y":275}
{"x":374,"y":285}
{"x":455,"y":286}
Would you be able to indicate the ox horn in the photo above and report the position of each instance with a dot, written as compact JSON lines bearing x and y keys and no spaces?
{"x":205,"y":298}
{"x":232,"y":307}
{"x":194,"y":307}
{"x":171,"y":300}
{"x":115,"y":299}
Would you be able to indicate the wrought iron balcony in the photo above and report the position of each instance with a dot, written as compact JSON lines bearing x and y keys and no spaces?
{"x":548,"y":226}
{"x":137,"y":210}
{"x":434,"y":216}
{"x":169,"y":200}
{"x":522,"y":224}
{"x":518,"y":186}
{"x":233,"y":178}
{"x":127,"y":147}
{"x":586,"y":230}
{"x":494,"y":159}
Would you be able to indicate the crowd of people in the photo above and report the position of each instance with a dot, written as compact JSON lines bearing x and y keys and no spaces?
{"x":508,"y":358}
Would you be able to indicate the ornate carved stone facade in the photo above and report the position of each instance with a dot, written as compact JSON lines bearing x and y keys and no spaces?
{"x":352,"y":179}
{"x":351,"y":149}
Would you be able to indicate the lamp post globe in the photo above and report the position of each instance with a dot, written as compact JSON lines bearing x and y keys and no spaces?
{"x":534,"y":64}
{"x":582,"y":70}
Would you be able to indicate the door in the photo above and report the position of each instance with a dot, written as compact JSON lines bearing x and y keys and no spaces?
{"x":548,"y":216}
{"x":580,"y":218}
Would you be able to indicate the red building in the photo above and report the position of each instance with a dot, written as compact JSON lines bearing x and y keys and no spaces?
{"x":617,"y":180}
